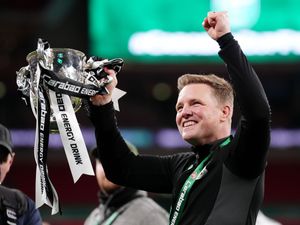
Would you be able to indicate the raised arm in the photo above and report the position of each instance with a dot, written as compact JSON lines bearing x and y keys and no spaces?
{"x":253,"y":134}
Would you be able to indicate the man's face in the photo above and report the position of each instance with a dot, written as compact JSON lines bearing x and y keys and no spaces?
{"x":198,"y":114}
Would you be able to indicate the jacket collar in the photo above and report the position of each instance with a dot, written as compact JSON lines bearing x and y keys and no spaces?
{"x":202,"y":151}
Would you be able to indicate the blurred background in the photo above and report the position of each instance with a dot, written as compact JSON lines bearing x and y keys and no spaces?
{"x":159,"y":41}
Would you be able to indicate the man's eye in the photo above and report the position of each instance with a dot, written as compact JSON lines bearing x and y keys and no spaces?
{"x":179,"y":108}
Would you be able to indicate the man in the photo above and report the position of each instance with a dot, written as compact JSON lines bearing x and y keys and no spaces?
{"x":15,"y":207}
{"x":221,"y":180}
{"x":121,"y":205}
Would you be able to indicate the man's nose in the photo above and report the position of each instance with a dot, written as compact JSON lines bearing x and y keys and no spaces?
{"x":186,"y":111}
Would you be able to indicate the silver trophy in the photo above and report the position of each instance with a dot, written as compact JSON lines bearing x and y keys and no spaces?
{"x":63,"y":70}
{"x":54,"y":84}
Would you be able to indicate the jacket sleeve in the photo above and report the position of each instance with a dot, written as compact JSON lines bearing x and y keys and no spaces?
{"x":149,"y":173}
{"x":251,"y":141}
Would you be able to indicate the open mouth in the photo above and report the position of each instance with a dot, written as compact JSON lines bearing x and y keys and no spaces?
{"x":189,"y":123}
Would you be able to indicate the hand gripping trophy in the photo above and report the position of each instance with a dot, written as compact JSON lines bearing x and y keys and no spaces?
{"x":54,"y":84}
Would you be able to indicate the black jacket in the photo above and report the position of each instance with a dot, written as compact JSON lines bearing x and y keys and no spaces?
{"x":232,"y":190}
{"x":17,"y":208}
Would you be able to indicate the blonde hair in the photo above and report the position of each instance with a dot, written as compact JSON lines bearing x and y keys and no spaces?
{"x":222,"y":89}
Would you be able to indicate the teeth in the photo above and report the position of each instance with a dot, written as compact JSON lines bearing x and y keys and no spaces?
{"x":188,"y":123}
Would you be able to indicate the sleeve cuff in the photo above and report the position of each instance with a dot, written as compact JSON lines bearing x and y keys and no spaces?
{"x":225,"y":39}
{"x":96,"y":111}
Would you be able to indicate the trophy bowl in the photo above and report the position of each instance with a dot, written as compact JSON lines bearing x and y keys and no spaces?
{"x":65,"y":63}
{"x":53,"y":84}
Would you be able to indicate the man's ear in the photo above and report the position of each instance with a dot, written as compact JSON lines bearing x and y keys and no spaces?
{"x":11,"y":159}
{"x":226,"y":113}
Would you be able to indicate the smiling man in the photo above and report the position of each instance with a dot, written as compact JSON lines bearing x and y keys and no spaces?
{"x":221,"y":180}
{"x":204,"y":108}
